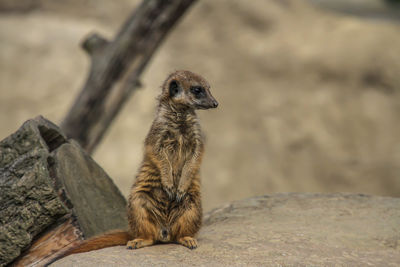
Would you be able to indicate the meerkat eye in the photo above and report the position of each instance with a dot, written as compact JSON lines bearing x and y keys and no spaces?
{"x":174,"y":88}
{"x":198,"y":91}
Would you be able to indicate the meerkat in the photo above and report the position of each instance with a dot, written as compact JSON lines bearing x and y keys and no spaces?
{"x":164,"y":205}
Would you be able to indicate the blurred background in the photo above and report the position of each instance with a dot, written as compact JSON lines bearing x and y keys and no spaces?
{"x":309,"y":91}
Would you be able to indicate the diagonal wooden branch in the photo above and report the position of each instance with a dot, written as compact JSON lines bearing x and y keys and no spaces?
{"x":116,"y":68}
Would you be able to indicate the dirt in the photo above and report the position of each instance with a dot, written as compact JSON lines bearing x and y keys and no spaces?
{"x":309,"y":99}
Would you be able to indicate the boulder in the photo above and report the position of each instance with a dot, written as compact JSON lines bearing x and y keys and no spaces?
{"x":278,"y":230}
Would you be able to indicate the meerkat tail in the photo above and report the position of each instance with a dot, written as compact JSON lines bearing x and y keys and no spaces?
{"x":110,"y":239}
{"x":114,"y":238}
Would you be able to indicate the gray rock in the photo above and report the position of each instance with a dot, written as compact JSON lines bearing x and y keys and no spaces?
{"x":278,"y":230}
{"x":92,"y":184}
{"x":380,"y":9}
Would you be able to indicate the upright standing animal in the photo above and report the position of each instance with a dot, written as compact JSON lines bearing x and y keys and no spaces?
{"x":164,"y":203}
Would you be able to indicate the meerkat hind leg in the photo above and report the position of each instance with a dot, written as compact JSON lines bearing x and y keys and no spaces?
{"x":139,"y":243}
{"x":187,"y":225}
{"x":188,"y":242}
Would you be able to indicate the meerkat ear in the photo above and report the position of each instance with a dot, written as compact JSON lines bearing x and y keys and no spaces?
{"x":174,"y":88}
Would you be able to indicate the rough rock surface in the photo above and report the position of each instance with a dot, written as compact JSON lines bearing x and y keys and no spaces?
{"x":278,"y":230}
{"x":70,"y":161}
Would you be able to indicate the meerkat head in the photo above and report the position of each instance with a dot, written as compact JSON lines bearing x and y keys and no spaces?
{"x":188,"y":90}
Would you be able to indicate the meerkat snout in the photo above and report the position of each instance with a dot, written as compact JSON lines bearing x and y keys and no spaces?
{"x":202,"y":97}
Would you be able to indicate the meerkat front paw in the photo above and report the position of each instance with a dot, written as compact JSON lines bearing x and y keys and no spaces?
{"x":180,"y":195}
{"x":169,"y":189}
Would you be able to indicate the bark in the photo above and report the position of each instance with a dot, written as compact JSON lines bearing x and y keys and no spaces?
{"x":52,"y":195}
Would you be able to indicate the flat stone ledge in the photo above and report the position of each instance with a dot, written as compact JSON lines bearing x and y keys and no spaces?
{"x":278,"y":230}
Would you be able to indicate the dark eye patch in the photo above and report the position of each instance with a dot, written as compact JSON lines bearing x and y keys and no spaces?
{"x":198,"y":91}
{"x":174,"y":88}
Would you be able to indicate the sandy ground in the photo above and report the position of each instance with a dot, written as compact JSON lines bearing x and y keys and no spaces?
{"x":309,"y":100}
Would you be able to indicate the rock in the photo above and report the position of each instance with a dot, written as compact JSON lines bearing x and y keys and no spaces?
{"x":379,"y":9}
{"x":48,"y":183}
{"x":278,"y":230}
{"x":93,"y":216}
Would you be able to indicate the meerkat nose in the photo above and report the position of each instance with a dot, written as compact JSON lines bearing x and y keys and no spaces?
{"x":215,"y":104}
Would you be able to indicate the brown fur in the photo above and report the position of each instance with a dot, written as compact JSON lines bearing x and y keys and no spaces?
{"x":113,"y":238}
{"x":164,"y":203}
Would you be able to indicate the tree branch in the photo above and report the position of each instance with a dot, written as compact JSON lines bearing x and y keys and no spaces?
{"x":122,"y":60}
